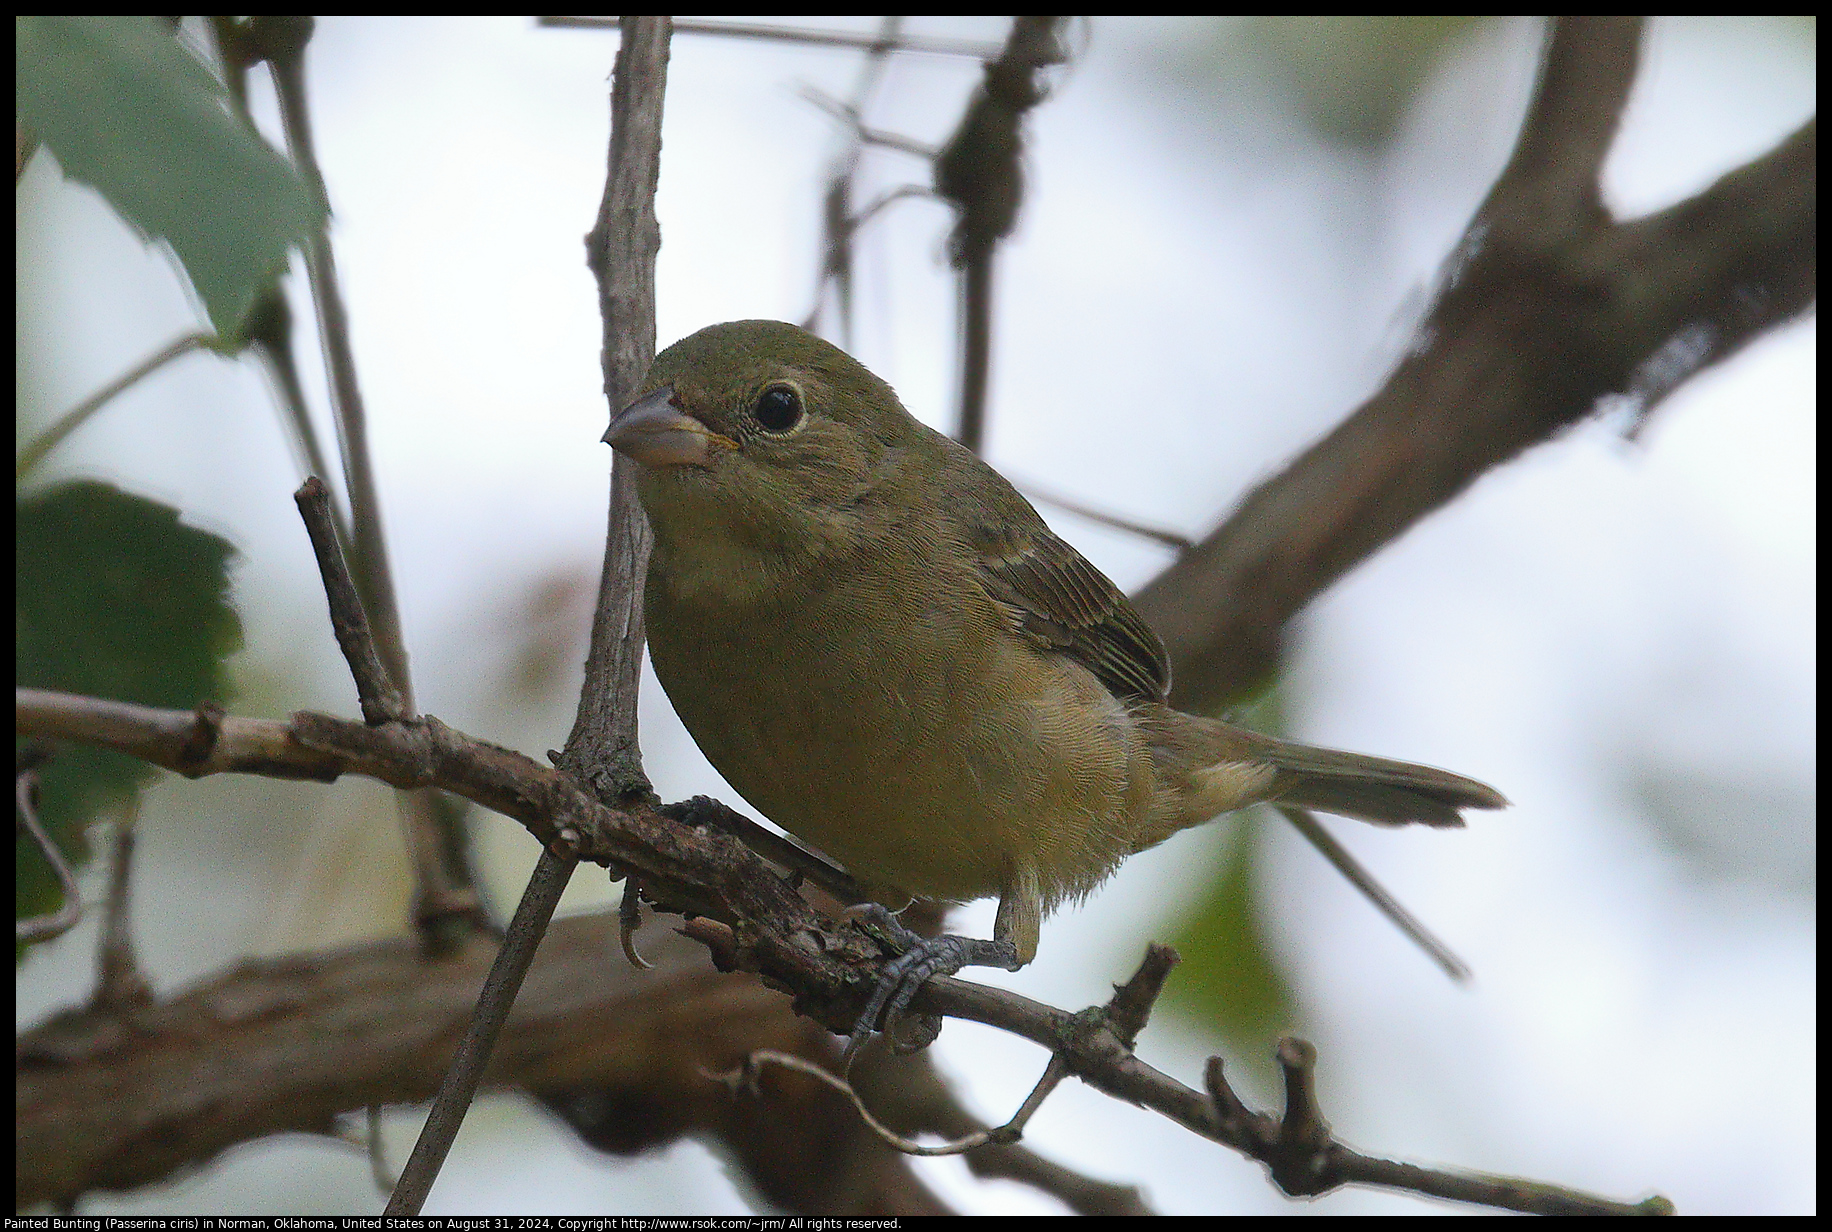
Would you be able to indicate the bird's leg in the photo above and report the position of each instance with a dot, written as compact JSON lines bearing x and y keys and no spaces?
{"x":1014,"y":944}
{"x":923,"y":959}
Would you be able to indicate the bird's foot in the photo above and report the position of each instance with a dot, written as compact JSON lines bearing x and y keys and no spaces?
{"x":921,"y":960}
{"x":701,"y":812}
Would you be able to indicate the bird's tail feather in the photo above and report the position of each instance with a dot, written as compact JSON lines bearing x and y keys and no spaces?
{"x":1373,"y":789}
{"x":1210,"y":767}
{"x":1207,"y":767}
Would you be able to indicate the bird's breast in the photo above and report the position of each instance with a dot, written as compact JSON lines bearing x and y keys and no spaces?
{"x":903,"y":730}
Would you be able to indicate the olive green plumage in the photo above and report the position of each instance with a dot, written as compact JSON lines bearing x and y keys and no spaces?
{"x":879,"y":642}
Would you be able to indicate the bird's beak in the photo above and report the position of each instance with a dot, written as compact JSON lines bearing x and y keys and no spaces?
{"x":656,"y":432}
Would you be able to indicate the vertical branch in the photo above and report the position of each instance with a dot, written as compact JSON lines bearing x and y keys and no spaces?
{"x":119,"y":984}
{"x":282,"y":42}
{"x":269,"y":327}
{"x":602,"y":750}
{"x":976,"y":344}
{"x":980,"y":171}
{"x":837,"y":220}
{"x":446,"y":906}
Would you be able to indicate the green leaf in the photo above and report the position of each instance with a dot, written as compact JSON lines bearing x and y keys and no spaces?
{"x":127,"y":110}
{"x":1353,"y":75}
{"x":115,"y":598}
{"x":1228,"y":979}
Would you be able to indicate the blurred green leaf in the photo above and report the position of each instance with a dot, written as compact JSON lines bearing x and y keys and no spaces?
{"x":1228,"y":980}
{"x":127,"y":110}
{"x":115,"y":598}
{"x":1353,"y":74}
{"x":1348,"y":77}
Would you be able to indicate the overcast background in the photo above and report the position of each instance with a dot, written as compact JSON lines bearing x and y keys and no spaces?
{"x":1213,"y":267}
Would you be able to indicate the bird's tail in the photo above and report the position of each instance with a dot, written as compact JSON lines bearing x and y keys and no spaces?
{"x":1209,"y":767}
{"x":1374,"y":789}
{"x":1206,"y":767}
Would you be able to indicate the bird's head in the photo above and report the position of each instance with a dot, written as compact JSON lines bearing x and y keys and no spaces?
{"x":760,"y":445}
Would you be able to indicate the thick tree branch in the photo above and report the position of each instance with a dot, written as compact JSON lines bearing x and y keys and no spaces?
{"x":1548,"y":307}
{"x":114,"y":1098}
{"x":752,"y":919}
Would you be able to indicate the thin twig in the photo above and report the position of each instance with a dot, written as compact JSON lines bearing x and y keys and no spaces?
{"x":444,"y":893}
{"x":369,"y":548}
{"x":924,"y":44}
{"x":270,"y":337}
{"x":745,"y":1078}
{"x":120,"y":983}
{"x":1169,"y":538}
{"x":381,"y":701}
{"x":66,"y":917}
{"x":976,"y":346}
{"x":851,"y":115}
{"x":78,"y":415}
{"x":889,"y":197}
{"x":241,"y":45}
{"x":837,"y":222}
{"x":980,"y":172}
{"x":466,"y":1072}
{"x":1326,"y":843}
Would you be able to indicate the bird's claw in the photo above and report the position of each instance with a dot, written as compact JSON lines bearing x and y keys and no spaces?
{"x":922,"y":960}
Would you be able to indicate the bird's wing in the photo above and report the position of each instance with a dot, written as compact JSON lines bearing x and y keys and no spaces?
{"x":1063,"y":603}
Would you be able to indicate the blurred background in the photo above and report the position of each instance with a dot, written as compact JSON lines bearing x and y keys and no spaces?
{"x":1230,"y":228}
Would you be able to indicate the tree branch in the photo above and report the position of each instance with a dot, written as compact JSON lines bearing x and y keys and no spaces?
{"x":380,"y":700}
{"x":445,"y":902}
{"x":602,"y":750}
{"x":1547,"y":307}
{"x":980,"y":172}
{"x":118,"y":1098}
{"x":753,"y":919}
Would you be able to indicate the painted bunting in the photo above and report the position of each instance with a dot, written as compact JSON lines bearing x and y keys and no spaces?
{"x":879,"y":642}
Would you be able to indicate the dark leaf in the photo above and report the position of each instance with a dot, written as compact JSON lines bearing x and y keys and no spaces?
{"x":115,"y":598}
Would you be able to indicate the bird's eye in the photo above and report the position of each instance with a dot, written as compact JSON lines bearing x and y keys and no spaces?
{"x":778,"y":408}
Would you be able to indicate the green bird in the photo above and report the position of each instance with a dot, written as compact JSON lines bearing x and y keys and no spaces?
{"x":880,"y":643}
